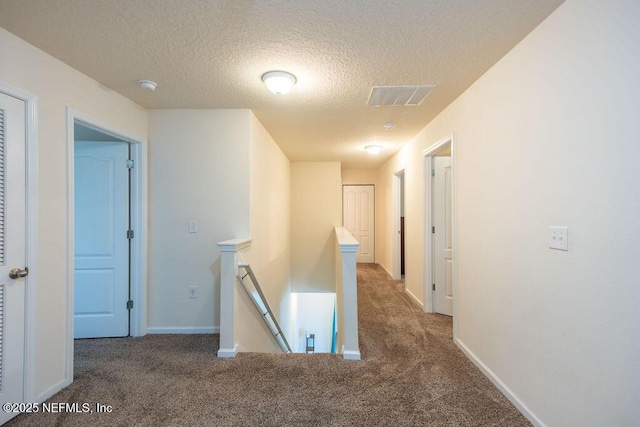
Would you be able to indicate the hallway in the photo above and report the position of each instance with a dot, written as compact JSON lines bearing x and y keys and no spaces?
{"x":411,"y":375}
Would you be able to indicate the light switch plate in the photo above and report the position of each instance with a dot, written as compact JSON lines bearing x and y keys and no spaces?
{"x":193,"y":226}
{"x":559,"y":238}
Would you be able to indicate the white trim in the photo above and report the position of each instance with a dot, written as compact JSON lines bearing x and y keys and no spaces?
{"x":414,"y":298}
{"x":183,"y":330}
{"x":428,"y":218}
{"x":508,"y":393}
{"x":234,"y":245}
{"x":139,"y":219}
{"x":350,"y":354}
{"x":396,"y":194}
{"x":138,"y":326}
{"x":31,"y":283}
{"x":226,"y":353}
{"x":346,"y":242}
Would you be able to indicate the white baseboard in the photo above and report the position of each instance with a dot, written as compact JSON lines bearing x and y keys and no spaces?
{"x":51,"y":391}
{"x":184,"y":330}
{"x":414,"y":298}
{"x":500,"y":385}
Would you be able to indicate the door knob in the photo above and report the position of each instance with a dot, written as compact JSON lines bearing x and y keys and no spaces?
{"x":17,"y":273}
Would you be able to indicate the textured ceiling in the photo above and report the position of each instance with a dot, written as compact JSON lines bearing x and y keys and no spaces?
{"x":212,"y":53}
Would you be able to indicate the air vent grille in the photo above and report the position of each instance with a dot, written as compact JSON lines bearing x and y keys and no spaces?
{"x":398,"y":96}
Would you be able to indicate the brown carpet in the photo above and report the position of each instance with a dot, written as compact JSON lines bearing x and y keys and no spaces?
{"x":411,"y":375}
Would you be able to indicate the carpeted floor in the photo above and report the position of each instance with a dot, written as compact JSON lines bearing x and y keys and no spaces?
{"x":411,"y":375}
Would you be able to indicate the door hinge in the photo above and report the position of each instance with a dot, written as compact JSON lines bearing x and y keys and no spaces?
{"x":130,"y":163}
{"x":433,"y":172}
{"x":129,"y":304}
{"x":129,"y":234}
{"x":433,"y":287}
{"x":433,"y":230}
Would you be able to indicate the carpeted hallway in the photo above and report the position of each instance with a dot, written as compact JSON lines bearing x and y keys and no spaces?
{"x":411,"y":375}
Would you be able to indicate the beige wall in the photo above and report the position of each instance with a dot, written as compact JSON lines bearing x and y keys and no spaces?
{"x":57,"y":86}
{"x":548,"y":136}
{"x":198,"y":170}
{"x":359,"y":176}
{"x":270,"y":251}
{"x":316,"y":208}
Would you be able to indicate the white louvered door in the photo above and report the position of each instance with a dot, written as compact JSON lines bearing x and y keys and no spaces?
{"x":12,"y":250}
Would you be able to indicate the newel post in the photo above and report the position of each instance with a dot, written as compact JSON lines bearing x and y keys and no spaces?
{"x":348,"y":246}
{"x":228,"y":272}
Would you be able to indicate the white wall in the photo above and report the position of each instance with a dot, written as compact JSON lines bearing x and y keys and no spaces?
{"x":57,"y":86}
{"x":548,"y":136}
{"x":198,"y":170}
{"x":313,"y":312}
{"x":316,"y":208}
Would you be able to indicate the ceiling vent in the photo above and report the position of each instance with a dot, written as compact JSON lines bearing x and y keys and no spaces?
{"x":398,"y":96}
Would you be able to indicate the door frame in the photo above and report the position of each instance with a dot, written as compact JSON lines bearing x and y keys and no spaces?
{"x":397,"y":199}
{"x":138,"y":273}
{"x":428,"y":155}
{"x":31,"y":223}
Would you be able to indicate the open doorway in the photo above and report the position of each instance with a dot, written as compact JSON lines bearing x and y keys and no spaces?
{"x":399,"y":225}
{"x":440,"y":227}
{"x":106,"y":183}
{"x":103,"y":233}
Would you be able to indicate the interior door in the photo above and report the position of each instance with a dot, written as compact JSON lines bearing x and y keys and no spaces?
{"x":358,"y":218}
{"x":443,"y":241}
{"x":12,"y":251}
{"x":101,"y":240}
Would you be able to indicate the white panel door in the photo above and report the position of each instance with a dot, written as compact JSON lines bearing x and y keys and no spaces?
{"x":12,"y":250}
{"x":443,"y":244}
{"x":101,"y":243}
{"x":358,"y":218}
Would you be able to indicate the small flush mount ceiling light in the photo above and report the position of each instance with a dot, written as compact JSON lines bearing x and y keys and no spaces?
{"x":373,"y":149}
{"x":389,"y":126}
{"x":148,"y":85}
{"x":279,"y":82}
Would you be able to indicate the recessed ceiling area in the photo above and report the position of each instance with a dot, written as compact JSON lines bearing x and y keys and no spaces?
{"x":212,"y":54}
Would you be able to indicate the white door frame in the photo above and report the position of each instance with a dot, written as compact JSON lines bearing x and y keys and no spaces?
{"x":138,"y":325}
{"x":31,"y":283}
{"x":397,"y":181}
{"x":428,"y":155}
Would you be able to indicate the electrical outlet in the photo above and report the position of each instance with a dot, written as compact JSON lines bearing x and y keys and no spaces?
{"x":193,"y":292}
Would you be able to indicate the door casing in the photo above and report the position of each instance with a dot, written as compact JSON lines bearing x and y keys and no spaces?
{"x":138,"y":221}
{"x":399,"y":188}
{"x":428,"y":155}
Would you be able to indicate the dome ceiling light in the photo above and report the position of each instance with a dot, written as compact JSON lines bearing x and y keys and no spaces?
{"x":279,"y":82}
{"x":148,"y":85}
{"x":373,"y":149}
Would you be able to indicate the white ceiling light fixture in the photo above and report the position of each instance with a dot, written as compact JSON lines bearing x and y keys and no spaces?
{"x":373,"y":149}
{"x":279,"y":82}
{"x":148,"y":85}
{"x":389,"y":126}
